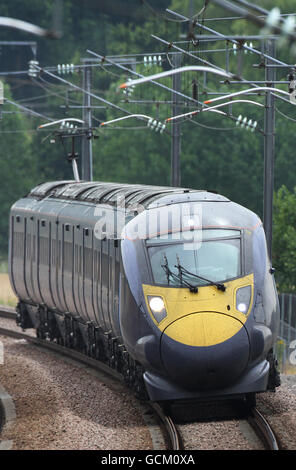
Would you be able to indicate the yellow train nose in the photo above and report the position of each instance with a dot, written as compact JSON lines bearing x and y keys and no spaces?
{"x":197,"y":350}
{"x":203,"y":328}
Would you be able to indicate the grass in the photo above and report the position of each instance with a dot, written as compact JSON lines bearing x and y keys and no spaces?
{"x":7,"y":296}
{"x":289,"y":369}
{"x":3,"y":266}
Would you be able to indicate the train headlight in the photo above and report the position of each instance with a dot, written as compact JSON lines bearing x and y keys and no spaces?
{"x":157,"y":307}
{"x":243,"y":299}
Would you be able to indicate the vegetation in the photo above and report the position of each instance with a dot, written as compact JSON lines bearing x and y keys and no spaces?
{"x":284,"y":240}
{"x":216,"y":154}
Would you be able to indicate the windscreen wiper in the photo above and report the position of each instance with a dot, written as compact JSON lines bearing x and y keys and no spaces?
{"x":179,"y":276}
{"x":183,"y":271}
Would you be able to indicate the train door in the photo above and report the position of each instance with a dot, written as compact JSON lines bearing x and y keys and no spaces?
{"x":43,"y":276}
{"x":68,"y":267}
{"x":97,"y":291}
{"x":105,"y":283}
{"x":114,"y":275}
{"x":77,"y":289}
{"x":88,"y":273}
{"x":30,"y":257}
{"x":17,"y":258}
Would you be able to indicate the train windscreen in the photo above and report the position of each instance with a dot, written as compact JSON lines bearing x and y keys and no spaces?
{"x":210,"y":256}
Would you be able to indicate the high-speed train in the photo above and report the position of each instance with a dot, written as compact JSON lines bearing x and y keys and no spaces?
{"x":172,"y":287}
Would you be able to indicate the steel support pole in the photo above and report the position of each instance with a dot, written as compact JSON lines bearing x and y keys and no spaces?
{"x":176,"y":126}
{"x":87,"y":161}
{"x":269,"y":142}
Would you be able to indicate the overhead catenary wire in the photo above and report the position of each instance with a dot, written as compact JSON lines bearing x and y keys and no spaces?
{"x":193,"y":113}
{"x":61,"y":121}
{"x":285,"y":115}
{"x":167,"y":73}
{"x":175,"y":92}
{"x":242,"y":92}
{"x":243,"y":46}
{"x":76,"y":87}
{"x":28,"y":110}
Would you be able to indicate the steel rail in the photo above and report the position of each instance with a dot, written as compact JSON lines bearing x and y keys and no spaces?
{"x":171,"y":429}
{"x":7,"y":312}
{"x":255,"y":418}
{"x":263,"y":429}
{"x":77,"y":356}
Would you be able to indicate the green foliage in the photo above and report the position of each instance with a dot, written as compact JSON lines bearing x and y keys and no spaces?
{"x":284,"y":239}
{"x":17,"y":165}
{"x":216,"y":155}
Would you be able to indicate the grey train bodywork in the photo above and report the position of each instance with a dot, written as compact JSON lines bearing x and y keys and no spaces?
{"x":90,"y":289}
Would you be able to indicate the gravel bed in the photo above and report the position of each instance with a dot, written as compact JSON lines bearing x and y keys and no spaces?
{"x":219,"y":435}
{"x":279,"y":409}
{"x":10,"y":324}
{"x":60,"y":405}
{"x":65,"y":408}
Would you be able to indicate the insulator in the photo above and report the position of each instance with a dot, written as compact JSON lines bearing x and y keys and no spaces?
{"x":293,"y":97}
{"x":234,"y":47}
{"x":150,"y":122}
{"x":129,"y":90}
{"x":254,"y":126}
{"x":162,"y":128}
{"x":238,"y":121}
{"x":159,"y":60}
{"x":292,"y":86}
{"x":159,"y":125}
{"x":249,"y":124}
{"x":273,"y":18}
{"x":33,"y":72}
{"x":62,"y":69}
{"x":288,"y":26}
{"x":250,"y":45}
{"x":244,"y":121}
{"x":145,"y":61}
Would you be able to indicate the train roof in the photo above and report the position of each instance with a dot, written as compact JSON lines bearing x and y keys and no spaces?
{"x":98,"y":192}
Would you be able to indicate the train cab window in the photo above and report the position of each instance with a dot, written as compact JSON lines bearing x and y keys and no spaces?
{"x":213,"y":254}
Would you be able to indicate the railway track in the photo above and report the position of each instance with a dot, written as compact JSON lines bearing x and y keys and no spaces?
{"x":172,"y":439}
{"x":174,"y":436}
{"x":173,"y":433}
{"x":263,"y":429}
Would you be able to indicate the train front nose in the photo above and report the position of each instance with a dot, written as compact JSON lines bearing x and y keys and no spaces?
{"x":205,"y":350}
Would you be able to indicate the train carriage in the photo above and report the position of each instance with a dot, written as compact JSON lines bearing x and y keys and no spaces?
{"x":171,"y":286}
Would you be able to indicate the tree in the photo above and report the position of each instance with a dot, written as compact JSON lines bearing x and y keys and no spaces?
{"x":284,"y":239}
{"x":17,"y":164}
